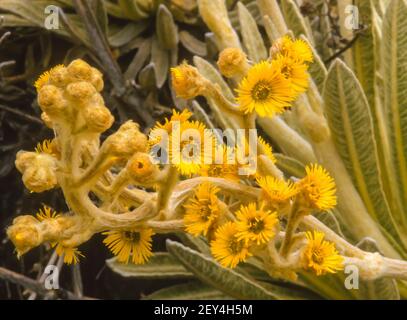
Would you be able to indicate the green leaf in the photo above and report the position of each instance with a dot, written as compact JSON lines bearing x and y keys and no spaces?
{"x":295,"y":20}
{"x":252,"y":38}
{"x":352,"y":129}
{"x":129,"y":32}
{"x":188,"y":291}
{"x":160,"y":266}
{"x":161,"y":60}
{"x":317,"y":68}
{"x":364,"y":53}
{"x":210,"y":272}
{"x":166,"y":29}
{"x":394,"y":60}
{"x":191,"y":43}
{"x":132,"y":9}
{"x":213,"y":75}
{"x":379,"y":289}
{"x":99,"y":10}
{"x":290,"y":166}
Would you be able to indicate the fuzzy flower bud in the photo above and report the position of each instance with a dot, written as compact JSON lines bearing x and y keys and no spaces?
{"x":38,"y":170}
{"x":232,"y":62}
{"x":97,"y":79}
{"x":141,"y":168}
{"x":58,"y":76}
{"x":24,"y":233}
{"x":79,"y":70}
{"x":51,"y":100}
{"x":187,"y":81}
{"x":126,"y":141}
{"x":98,"y":118}
{"x":81,"y":91}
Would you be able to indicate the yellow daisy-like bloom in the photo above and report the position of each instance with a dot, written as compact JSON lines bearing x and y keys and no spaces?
{"x":296,"y":49}
{"x":294,"y":71}
{"x":226,"y":170}
{"x":71,"y":255}
{"x":45,"y":147}
{"x":227,"y":249}
{"x":187,"y":81}
{"x":277,"y":192}
{"x":156,"y":132}
{"x":264,"y":90}
{"x":131,"y":243}
{"x":46,"y":213}
{"x":317,"y":188}
{"x":44,"y":77}
{"x":255,"y":225}
{"x":202,"y":210}
{"x":189,"y":156}
{"x":320,"y":255}
{"x":267,"y":149}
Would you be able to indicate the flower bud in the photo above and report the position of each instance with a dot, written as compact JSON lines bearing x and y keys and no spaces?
{"x":79,"y":70}
{"x":98,"y":118}
{"x":58,"y":76}
{"x":38,"y":171}
{"x":97,"y":79}
{"x":232,"y":62}
{"x":187,"y":81}
{"x":51,"y":100}
{"x":24,"y":233}
{"x":81,"y":91}
{"x":126,"y":141}
{"x":141,"y":168}
{"x":24,"y":159}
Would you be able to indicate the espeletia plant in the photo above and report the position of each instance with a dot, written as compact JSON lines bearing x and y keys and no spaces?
{"x":253,"y":223}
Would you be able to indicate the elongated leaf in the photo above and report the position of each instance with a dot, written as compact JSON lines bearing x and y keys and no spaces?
{"x":394,"y":60}
{"x":351,"y":124}
{"x":210,"y":72}
{"x":161,"y":60}
{"x":166,"y":29}
{"x":364,"y":53}
{"x":317,"y":69}
{"x":290,"y":166}
{"x":192,"y":44}
{"x":126,"y":34}
{"x":252,"y":39}
{"x":210,"y":272}
{"x":188,"y":291}
{"x":295,"y":20}
{"x":161,"y":265}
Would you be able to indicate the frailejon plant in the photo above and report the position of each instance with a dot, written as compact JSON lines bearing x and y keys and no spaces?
{"x":291,"y":222}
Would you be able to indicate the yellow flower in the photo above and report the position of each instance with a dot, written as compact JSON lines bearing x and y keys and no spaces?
{"x":264,"y":90}
{"x":227,"y":249}
{"x":190,"y":155}
{"x":202,"y":210}
{"x":294,"y":71}
{"x":277,"y":191}
{"x":227,"y":169}
{"x":187,"y":81}
{"x":71,"y":255}
{"x":256,"y":225}
{"x":317,"y":188}
{"x":296,"y":49}
{"x":320,"y":255}
{"x":267,"y":149}
{"x":46,"y":213}
{"x":134,"y":243}
{"x":44,"y":77}
{"x":45,"y":147}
